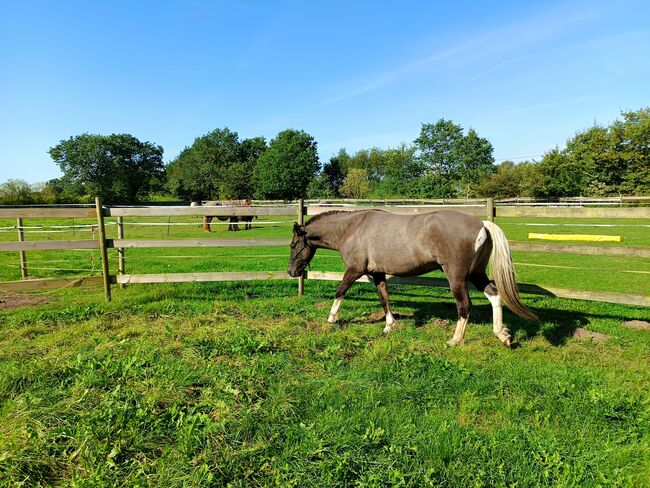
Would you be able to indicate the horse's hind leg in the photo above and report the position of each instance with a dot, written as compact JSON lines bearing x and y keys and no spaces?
{"x":349,"y":277}
{"x":233,"y":225}
{"x":483,"y":283}
{"x":382,"y":290}
{"x":463,"y":306}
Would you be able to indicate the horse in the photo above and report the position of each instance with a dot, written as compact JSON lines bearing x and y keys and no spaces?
{"x":376,"y":243}
{"x":233,"y":225}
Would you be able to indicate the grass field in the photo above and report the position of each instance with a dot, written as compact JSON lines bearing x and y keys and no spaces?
{"x":247,"y":384}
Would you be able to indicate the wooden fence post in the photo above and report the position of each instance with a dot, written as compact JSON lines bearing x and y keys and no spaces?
{"x":490,"y":209}
{"x":102,"y":248}
{"x":121,"y":265}
{"x":23,"y":256}
{"x":301,"y":221}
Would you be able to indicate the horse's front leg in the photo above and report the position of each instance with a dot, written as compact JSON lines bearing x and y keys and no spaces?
{"x":206,"y":223}
{"x":382,"y":291}
{"x":349,"y":277}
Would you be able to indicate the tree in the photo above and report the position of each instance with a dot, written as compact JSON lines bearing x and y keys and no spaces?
{"x":251,"y":149}
{"x":592,"y":151}
{"x":119,"y":168}
{"x":333,"y":171}
{"x":237,"y":182}
{"x":328,"y":182}
{"x":510,"y":180}
{"x":237,"y":179}
{"x":286,"y":168}
{"x":53,"y":192}
{"x":320,"y":187}
{"x":356,"y":184}
{"x":476,"y":161}
{"x":15,"y":192}
{"x":452,"y":162}
{"x":198,"y":172}
{"x":439,"y":148}
{"x":371,"y":160}
{"x":400,"y":169}
{"x":631,"y":139}
{"x":560,"y":176}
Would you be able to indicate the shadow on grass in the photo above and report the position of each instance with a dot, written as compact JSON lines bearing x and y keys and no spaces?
{"x":555,"y":325}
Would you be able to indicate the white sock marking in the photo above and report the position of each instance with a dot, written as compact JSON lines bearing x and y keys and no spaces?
{"x":334,"y":312}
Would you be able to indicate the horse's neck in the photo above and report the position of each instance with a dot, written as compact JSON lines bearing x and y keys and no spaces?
{"x":327,"y":232}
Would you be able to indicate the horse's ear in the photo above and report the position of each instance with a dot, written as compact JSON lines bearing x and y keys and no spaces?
{"x":299,"y":229}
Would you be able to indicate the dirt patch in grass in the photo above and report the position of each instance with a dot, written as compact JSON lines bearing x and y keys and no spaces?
{"x":440,"y":323}
{"x":586,"y":335}
{"x":11,"y":302}
{"x":637,"y":324}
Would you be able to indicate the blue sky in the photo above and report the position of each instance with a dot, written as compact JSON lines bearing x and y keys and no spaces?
{"x":526,"y":75}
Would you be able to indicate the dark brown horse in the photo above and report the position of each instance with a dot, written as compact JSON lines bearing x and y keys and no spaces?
{"x":377,"y":243}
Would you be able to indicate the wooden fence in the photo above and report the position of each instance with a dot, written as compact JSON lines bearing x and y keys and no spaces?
{"x":479,"y":208}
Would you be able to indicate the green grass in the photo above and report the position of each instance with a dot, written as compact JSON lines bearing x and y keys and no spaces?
{"x":246,"y":384}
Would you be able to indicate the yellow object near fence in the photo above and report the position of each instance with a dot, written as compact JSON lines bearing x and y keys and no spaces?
{"x":575,"y":237}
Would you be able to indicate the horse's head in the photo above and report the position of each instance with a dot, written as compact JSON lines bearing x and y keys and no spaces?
{"x":301,"y":252}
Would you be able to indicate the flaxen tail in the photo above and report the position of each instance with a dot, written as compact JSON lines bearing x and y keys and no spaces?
{"x":504,"y":272}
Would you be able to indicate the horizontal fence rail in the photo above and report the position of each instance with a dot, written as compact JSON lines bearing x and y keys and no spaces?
{"x":139,"y":243}
{"x":575,"y":212}
{"x":49,"y":245}
{"x":221,"y":211}
{"x":46,"y":212}
{"x":481,"y":208}
{"x":197,"y":277}
{"x":630,"y":252}
{"x":50,"y":283}
{"x":477,"y":210}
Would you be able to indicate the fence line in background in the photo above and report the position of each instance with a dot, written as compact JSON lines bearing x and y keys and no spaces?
{"x":488,"y":210}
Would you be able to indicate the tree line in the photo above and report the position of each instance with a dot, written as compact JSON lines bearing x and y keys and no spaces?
{"x":444,"y":161}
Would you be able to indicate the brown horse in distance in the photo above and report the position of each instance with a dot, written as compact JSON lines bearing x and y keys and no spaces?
{"x":377,"y":243}
{"x":233,"y":225}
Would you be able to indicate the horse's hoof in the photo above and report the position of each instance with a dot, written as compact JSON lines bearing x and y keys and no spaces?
{"x":388,"y":329}
{"x":506,"y":338}
{"x":455,"y":342}
{"x":332,"y":319}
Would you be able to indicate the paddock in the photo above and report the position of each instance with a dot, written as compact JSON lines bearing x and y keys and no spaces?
{"x":246,"y":383}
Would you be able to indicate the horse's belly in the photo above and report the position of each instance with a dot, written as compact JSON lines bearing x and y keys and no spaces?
{"x":412,"y":270}
{"x":402,"y":263}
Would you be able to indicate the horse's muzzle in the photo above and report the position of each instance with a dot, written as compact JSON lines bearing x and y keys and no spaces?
{"x":295,"y":271}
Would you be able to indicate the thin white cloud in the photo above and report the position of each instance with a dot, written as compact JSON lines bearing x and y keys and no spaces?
{"x":554,"y":103}
{"x":365,"y":141}
{"x":541,"y":27}
{"x":493,"y":68}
